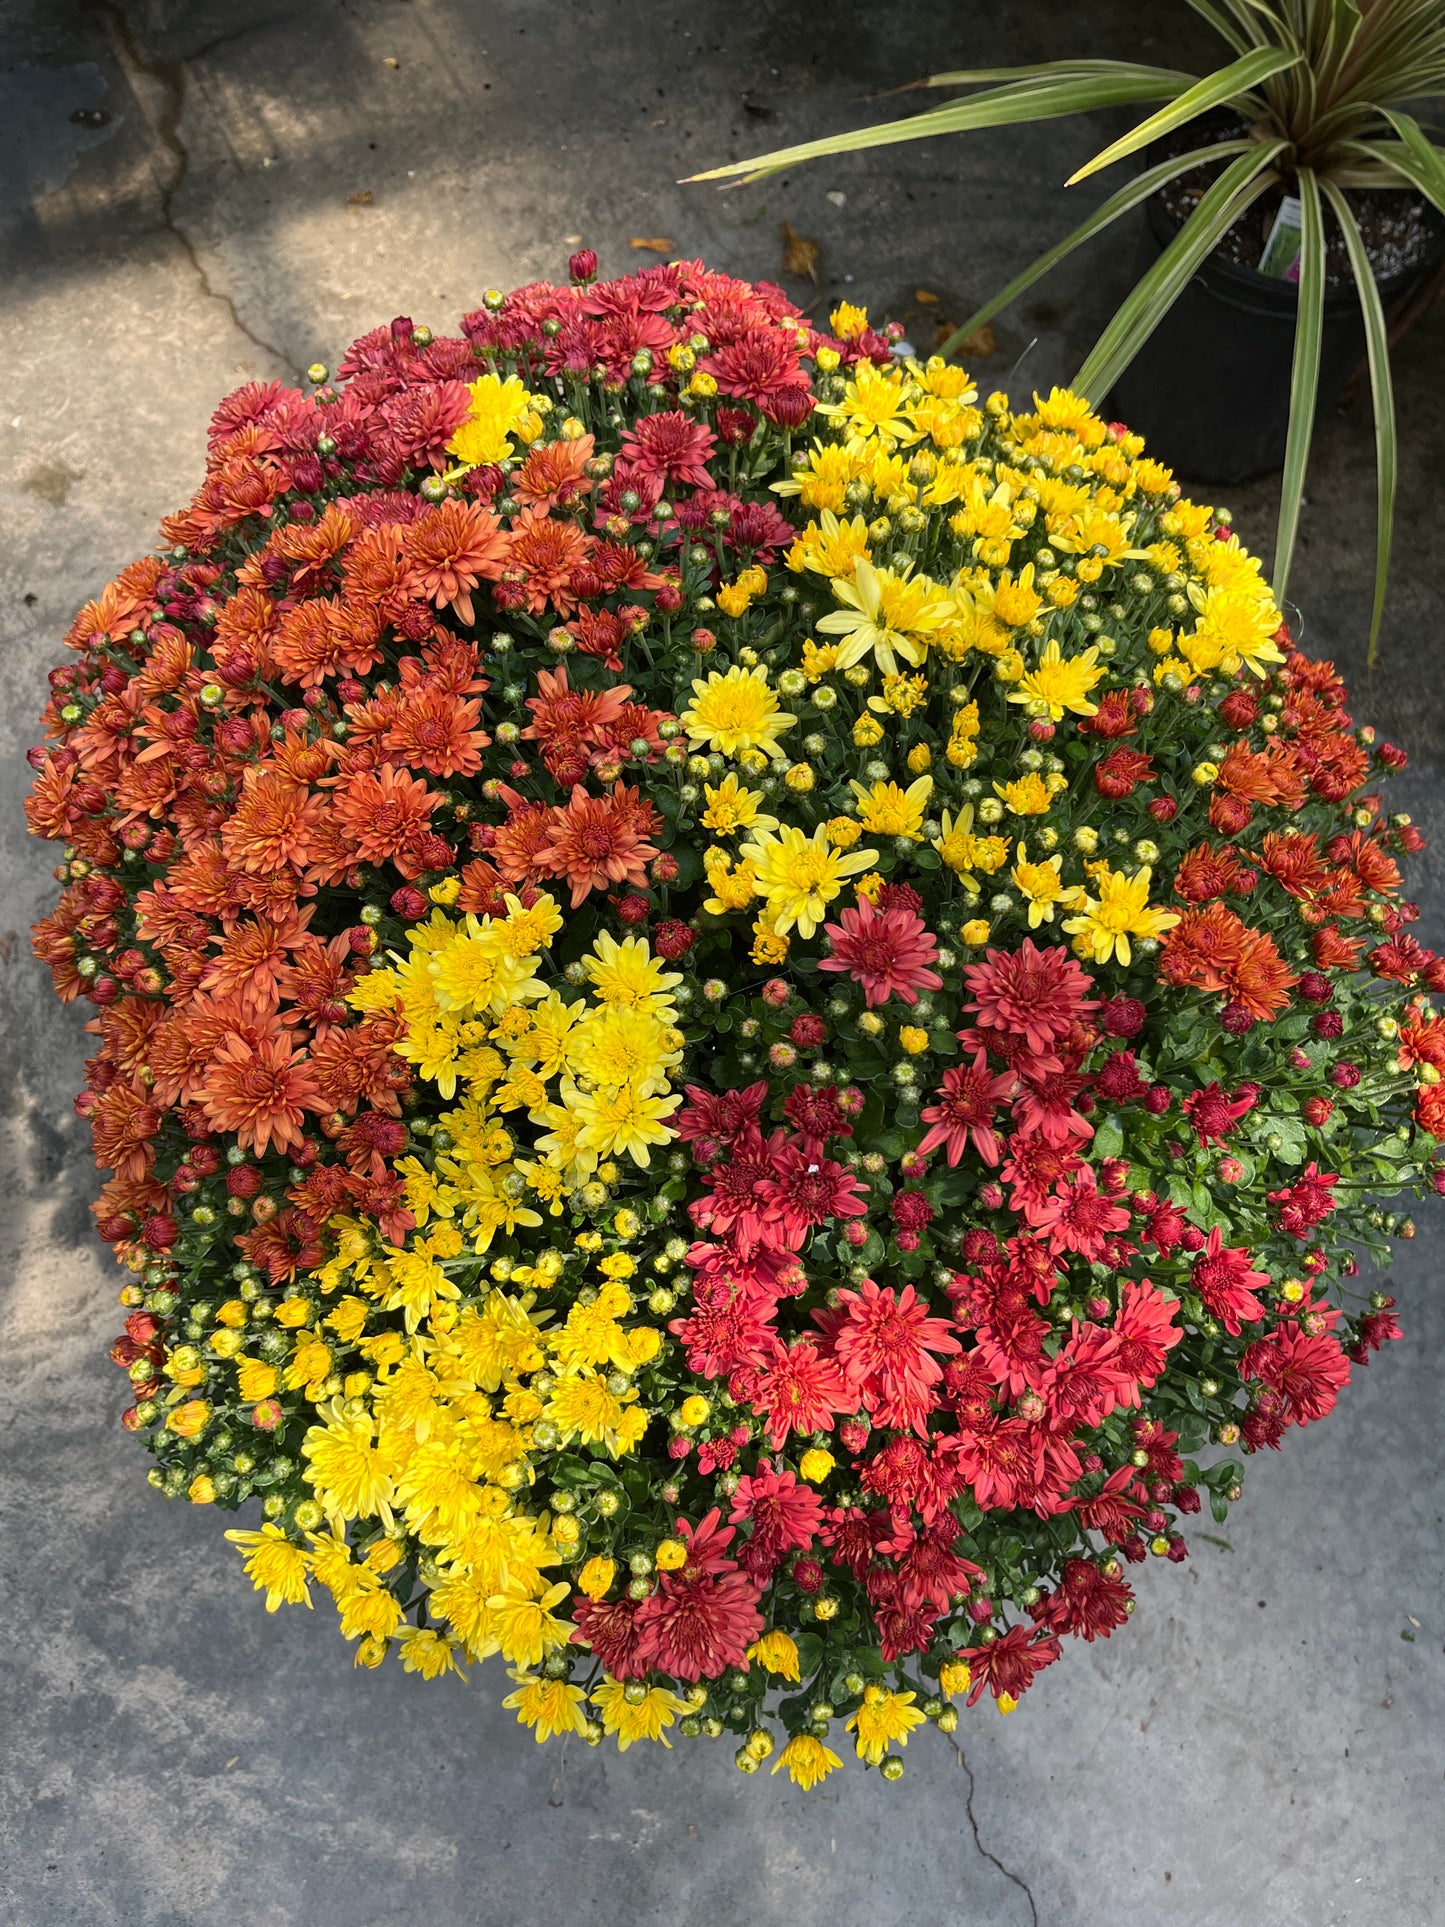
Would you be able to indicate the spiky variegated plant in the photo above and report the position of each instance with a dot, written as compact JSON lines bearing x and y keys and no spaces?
{"x":1320,"y":86}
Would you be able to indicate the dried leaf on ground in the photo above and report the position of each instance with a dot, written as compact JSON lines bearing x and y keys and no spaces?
{"x":362,"y":199}
{"x":800,"y":255}
{"x":659,"y":244}
{"x":980,"y":344}
{"x":925,"y":295}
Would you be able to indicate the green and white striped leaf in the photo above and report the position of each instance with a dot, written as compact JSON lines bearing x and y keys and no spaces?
{"x":1243,"y":181}
{"x":1377,"y":340}
{"x":1213,"y":91}
{"x":999,"y":107}
{"x":1305,"y":375}
{"x":1130,"y":196}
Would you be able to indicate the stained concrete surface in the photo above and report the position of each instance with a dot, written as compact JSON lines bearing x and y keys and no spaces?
{"x":179,"y":212}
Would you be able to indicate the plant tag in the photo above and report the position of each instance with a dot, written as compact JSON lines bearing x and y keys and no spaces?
{"x":1282,"y":249}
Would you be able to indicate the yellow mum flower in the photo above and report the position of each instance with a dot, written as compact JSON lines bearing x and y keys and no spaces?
{"x":348,"y":1470}
{"x":623,"y":1118}
{"x":872,"y":409}
{"x":800,"y":875}
{"x":1062,"y":682}
{"x":829,"y":546}
{"x":524,"y":1630}
{"x":255,"y":1379}
{"x":645,"y":1716}
{"x":428,"y":1652}
{"x":954,"y":1676}
{"x":1240,"y":623}
{"x":886,"y":810}
{"x":777,"y":1653}
{"x":596,"y":1577}
{"x":807,"y":1759}
{"x":901,"y":695}
{"x":736,"y":712}
{"x":1027,"y":795}
{"x":188,"y":1421}
{"x":848,"y":321}
{"x":731,"y":806}
{"x":816,"y":1464}
{"x":582,"y":1406}
{"x":965,"y":853}
{"x":275,"y":1566}
{"x":628,"y":974}
{"x":499,"y":409}
{"x":883,"y":1718}
{"x":889,"y":611}
{"x":551,"y":1706}
{"x":1118,"y":912}
{"x":1040,"y":885}
{"x":823,"y":483}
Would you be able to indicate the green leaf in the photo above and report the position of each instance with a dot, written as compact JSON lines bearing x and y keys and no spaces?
{"x":1109,"y":1138}
{"x":1242,"y":182}
{"x":1425,"y":165}
{"x":999,"y":107}
{"x":1378,"y":342}
{"x":1129,"y":196}
{"x":1049,"y":70}
{"x":1213,"y":91}
{"x":1305,"y":377}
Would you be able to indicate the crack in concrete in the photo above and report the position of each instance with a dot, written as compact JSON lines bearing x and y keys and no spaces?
{"x":159,"y":87}
{"x":992,"y":1858}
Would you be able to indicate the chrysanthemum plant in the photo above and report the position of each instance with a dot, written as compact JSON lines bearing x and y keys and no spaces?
{"x":748,"y":1012}
{"x":1322,"y":89}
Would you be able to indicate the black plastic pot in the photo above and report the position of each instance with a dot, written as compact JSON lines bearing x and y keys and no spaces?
{"x":1209,"y":390}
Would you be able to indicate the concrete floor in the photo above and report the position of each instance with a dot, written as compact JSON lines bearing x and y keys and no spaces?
{"x":1267,"y":1740}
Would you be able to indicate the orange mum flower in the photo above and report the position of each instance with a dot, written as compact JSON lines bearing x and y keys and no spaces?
{"x":122,"y":1125}
{"x":252,"y":960}
{"x":543,"y":554}
{"x":385,"y":812}
{"x":1260,"y":979}
{"x":598,"y":840}
{"x":437,"y":732}
{"x":554,"y":474}
{"x":188,"y":1039}
{"x":273,"y":824}
{"x":261,"y":1092}
{"x":378,"y":573}
{"x":451,"y":548}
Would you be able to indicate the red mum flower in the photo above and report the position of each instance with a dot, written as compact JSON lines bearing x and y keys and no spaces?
{"x":797,"y":1390}
{"x":1008,"y":1666}
{"x":1079,"y":1217}
{"x":1086,"y":1601}
{"x":785,"y":1514}
{"x":886,"y":1344}
{"x":1214,"y":1113}
{"x":886,"y":952}
{"x":669,"y":447}
{"x":1227,"y":1285}
{"x":803,"y":1193}
{"x":1307,"y":1202}
{"x":1309,"y":1372}
{"x":609,"y":1628}
{"x":724,"y":1117}
{"x":1146,"y":1330}
{"x":1034,"y":994}
{"x":702,"y":1618}
{"x":967,"y":1099}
